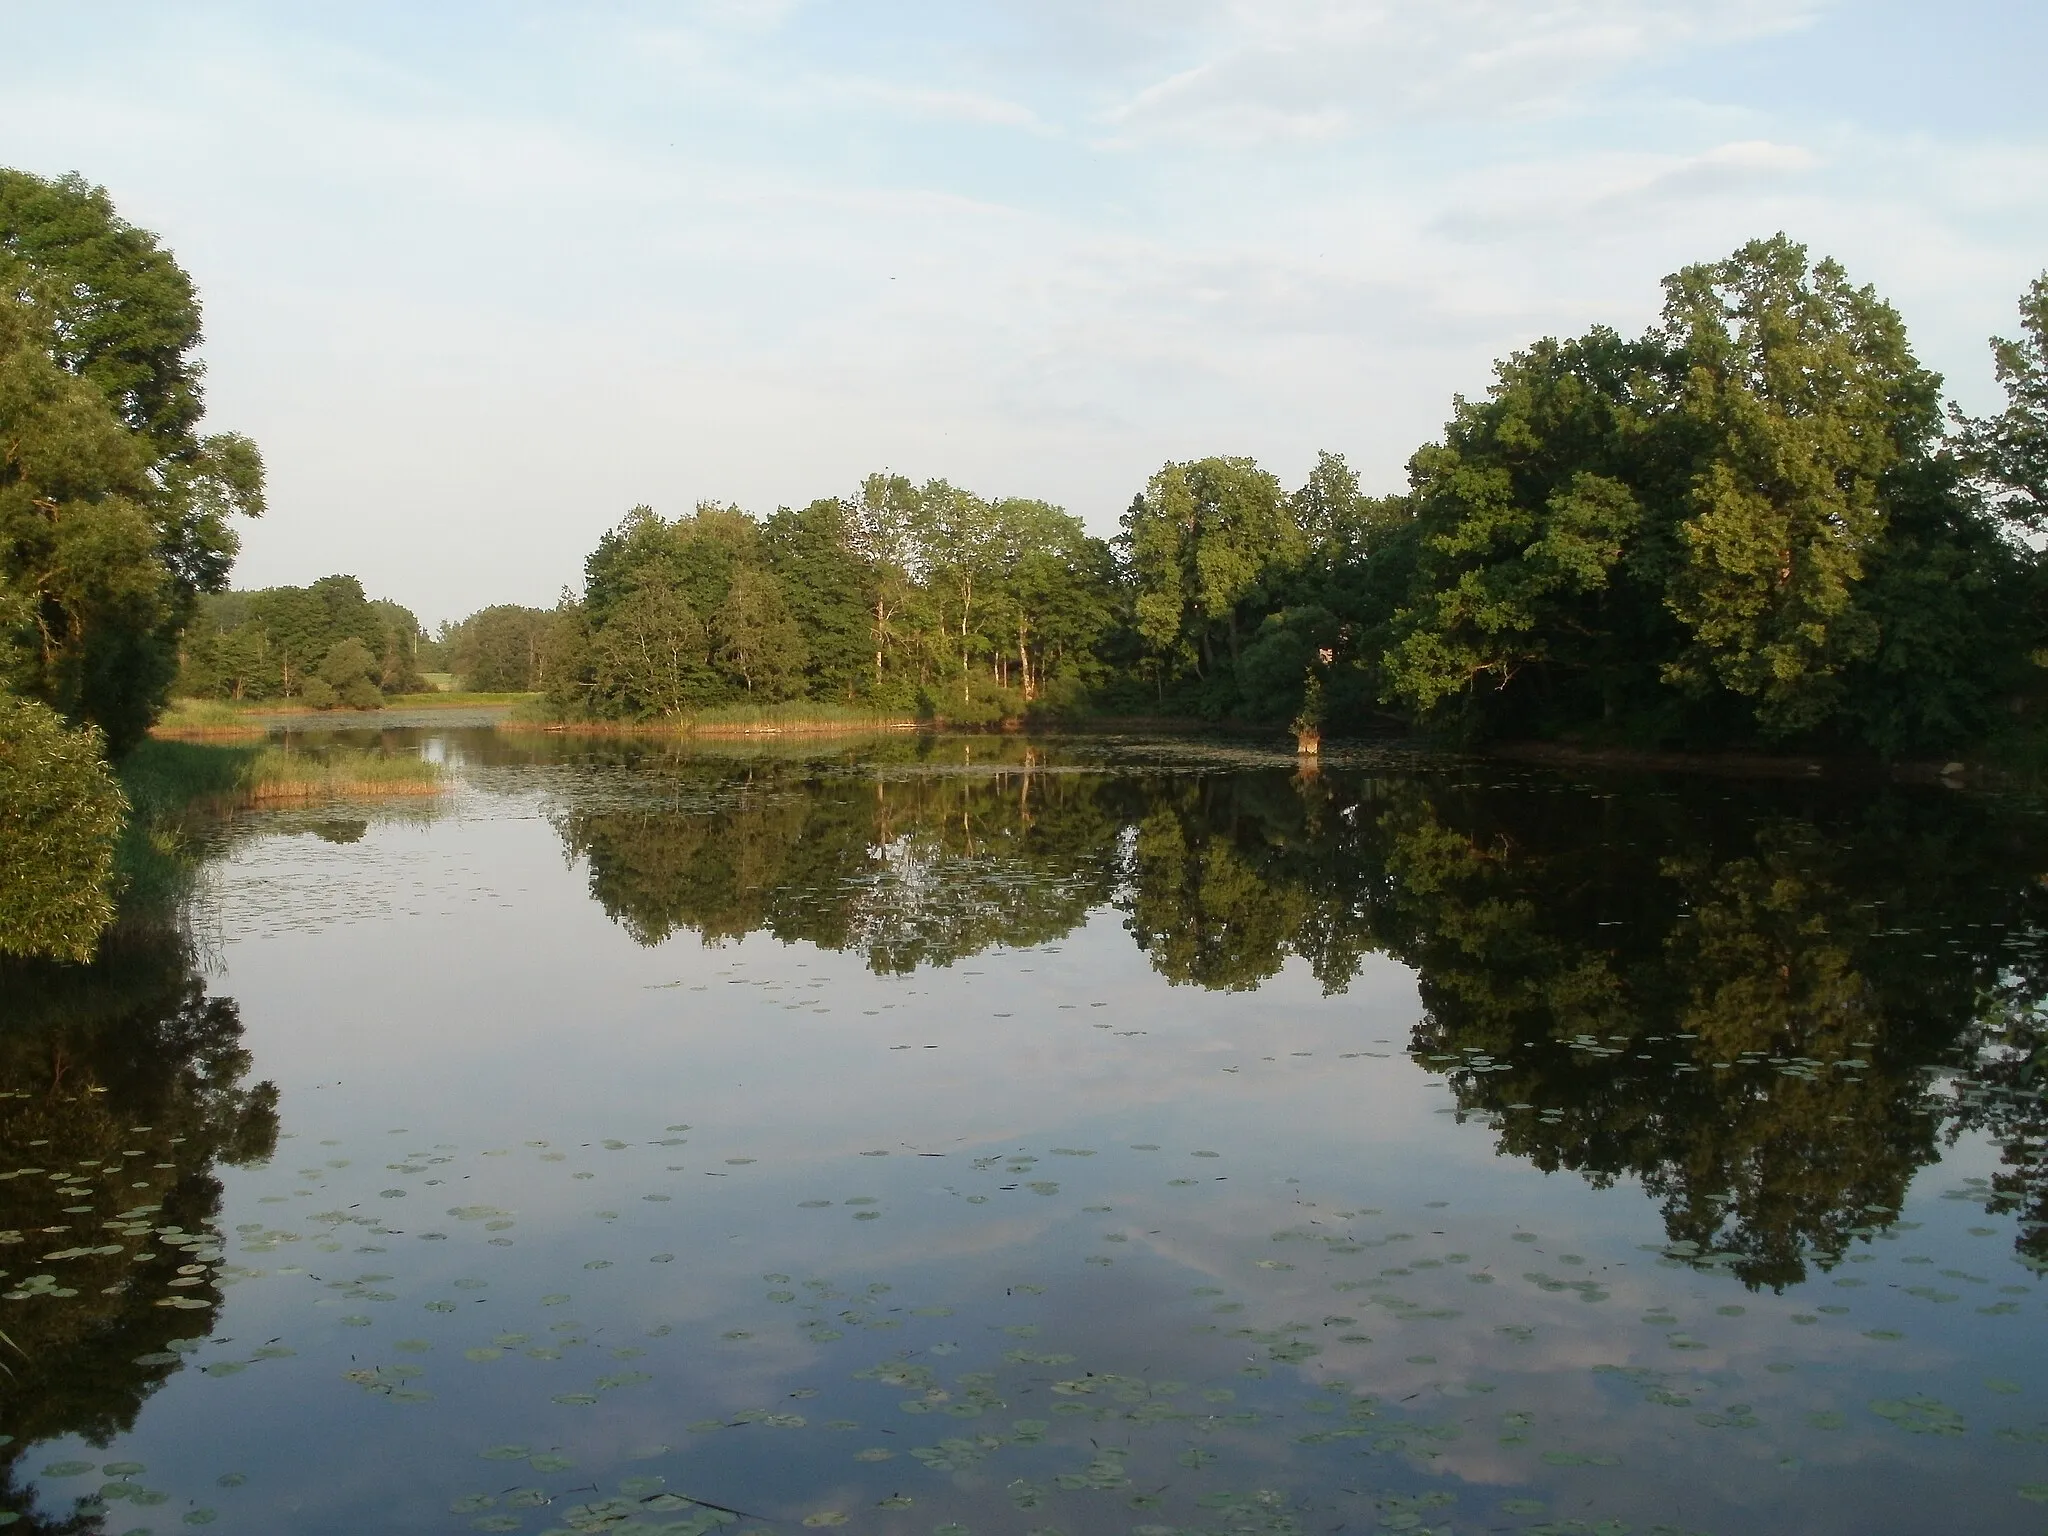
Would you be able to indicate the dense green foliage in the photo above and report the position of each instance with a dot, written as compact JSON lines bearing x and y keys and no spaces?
{"x":500,"y":649}
{"x":2009,"y":451}
{"x":901,"y":596}
{"x":1743,"y":525}
{"x":326,"y":644}
{"x":114,"y":524}
{"x":1748,"y":526}
{"x":114,"y":510}
{"x":60,"y":815}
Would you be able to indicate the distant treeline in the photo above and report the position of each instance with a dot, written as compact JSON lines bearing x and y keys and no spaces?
{"x":1754,"y":523}
{"x":329,"y":645}
{"x":500,"y":649}
{"x":325,"y":645}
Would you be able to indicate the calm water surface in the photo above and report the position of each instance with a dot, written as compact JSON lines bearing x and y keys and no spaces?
{"x":979,"y":1137}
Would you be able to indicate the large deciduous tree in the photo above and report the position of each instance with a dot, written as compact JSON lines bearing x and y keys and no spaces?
{"x":2009,"y":451}
{"x":1204,"y":546}
{"x":1745,"y":524}
{"x":1801,"y":398}
{"x":1522,"y":515}
{"x":114,"y":509}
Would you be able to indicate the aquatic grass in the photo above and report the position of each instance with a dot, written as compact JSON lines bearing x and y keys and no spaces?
{"x":216,"y":719}
{"x":805,"y":718}
{"x":205,"y":719}
{"x":173,"y":787}
{"x":281,"y":776}
{"x":454,"y":698}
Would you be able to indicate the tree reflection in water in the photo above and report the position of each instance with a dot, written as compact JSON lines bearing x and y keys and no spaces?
{"x":129,"y":1075}
{"x":1769,"y":1004}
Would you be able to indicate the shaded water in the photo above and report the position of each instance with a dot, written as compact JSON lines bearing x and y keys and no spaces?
{"x":942,"y":1136}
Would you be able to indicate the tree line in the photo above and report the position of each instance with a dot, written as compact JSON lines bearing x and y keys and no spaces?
{"x":325,"y":644}
{"x":1755,"y":523}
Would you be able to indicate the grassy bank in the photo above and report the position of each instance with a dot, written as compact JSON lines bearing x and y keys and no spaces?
{"x":228,"y":720}
{"x":454,"y":700}
{"x":205,"y":720}
{"x":803,"y":718}
{"x":174,"y":788}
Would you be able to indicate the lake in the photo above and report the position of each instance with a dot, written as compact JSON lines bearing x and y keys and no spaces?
{"x":974,"y":1135}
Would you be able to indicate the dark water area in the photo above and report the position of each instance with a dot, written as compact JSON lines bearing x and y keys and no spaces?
{"x":971,"y":1136}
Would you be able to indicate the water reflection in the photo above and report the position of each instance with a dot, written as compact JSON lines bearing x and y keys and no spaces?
{"x":906,"y":872}
{"x":126,"y":1087}
{"x":1767,"y":1004}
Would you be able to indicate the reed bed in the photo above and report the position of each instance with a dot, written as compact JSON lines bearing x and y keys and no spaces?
{"x":205,"y":720}
{"x":739,"y":720}
{"x":279,"y":777}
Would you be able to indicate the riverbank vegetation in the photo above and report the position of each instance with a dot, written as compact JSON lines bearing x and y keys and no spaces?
{"x":87,"y":844}
{"x":323,"y":646}
{"x":223,"y":719}
{"x":115,"y":521}
{"x":279,"y":775}
{"x":1752,"y":526}
{"x":801,"y":717}
{"x":60,"y":813}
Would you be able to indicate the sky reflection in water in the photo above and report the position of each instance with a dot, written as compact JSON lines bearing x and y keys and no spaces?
{"x":1019,"y":1138}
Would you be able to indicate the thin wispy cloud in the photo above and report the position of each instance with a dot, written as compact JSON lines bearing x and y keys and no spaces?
{"x":1321,"y":69}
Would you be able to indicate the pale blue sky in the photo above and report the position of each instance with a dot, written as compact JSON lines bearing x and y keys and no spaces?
{"x":478,"y":278}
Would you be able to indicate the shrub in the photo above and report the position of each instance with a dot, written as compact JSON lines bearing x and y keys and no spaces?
{"x":60,"y":816}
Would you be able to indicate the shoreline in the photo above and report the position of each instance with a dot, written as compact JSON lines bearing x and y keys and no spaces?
{"x":714,"y":729}
{"x":1951,"y":773}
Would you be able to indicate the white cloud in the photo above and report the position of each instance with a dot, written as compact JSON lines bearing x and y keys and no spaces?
{"x":1318,"y":69}
{"x":924,"y":101}
{"x":1600,"y":191}
{"x":475,"y":302}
